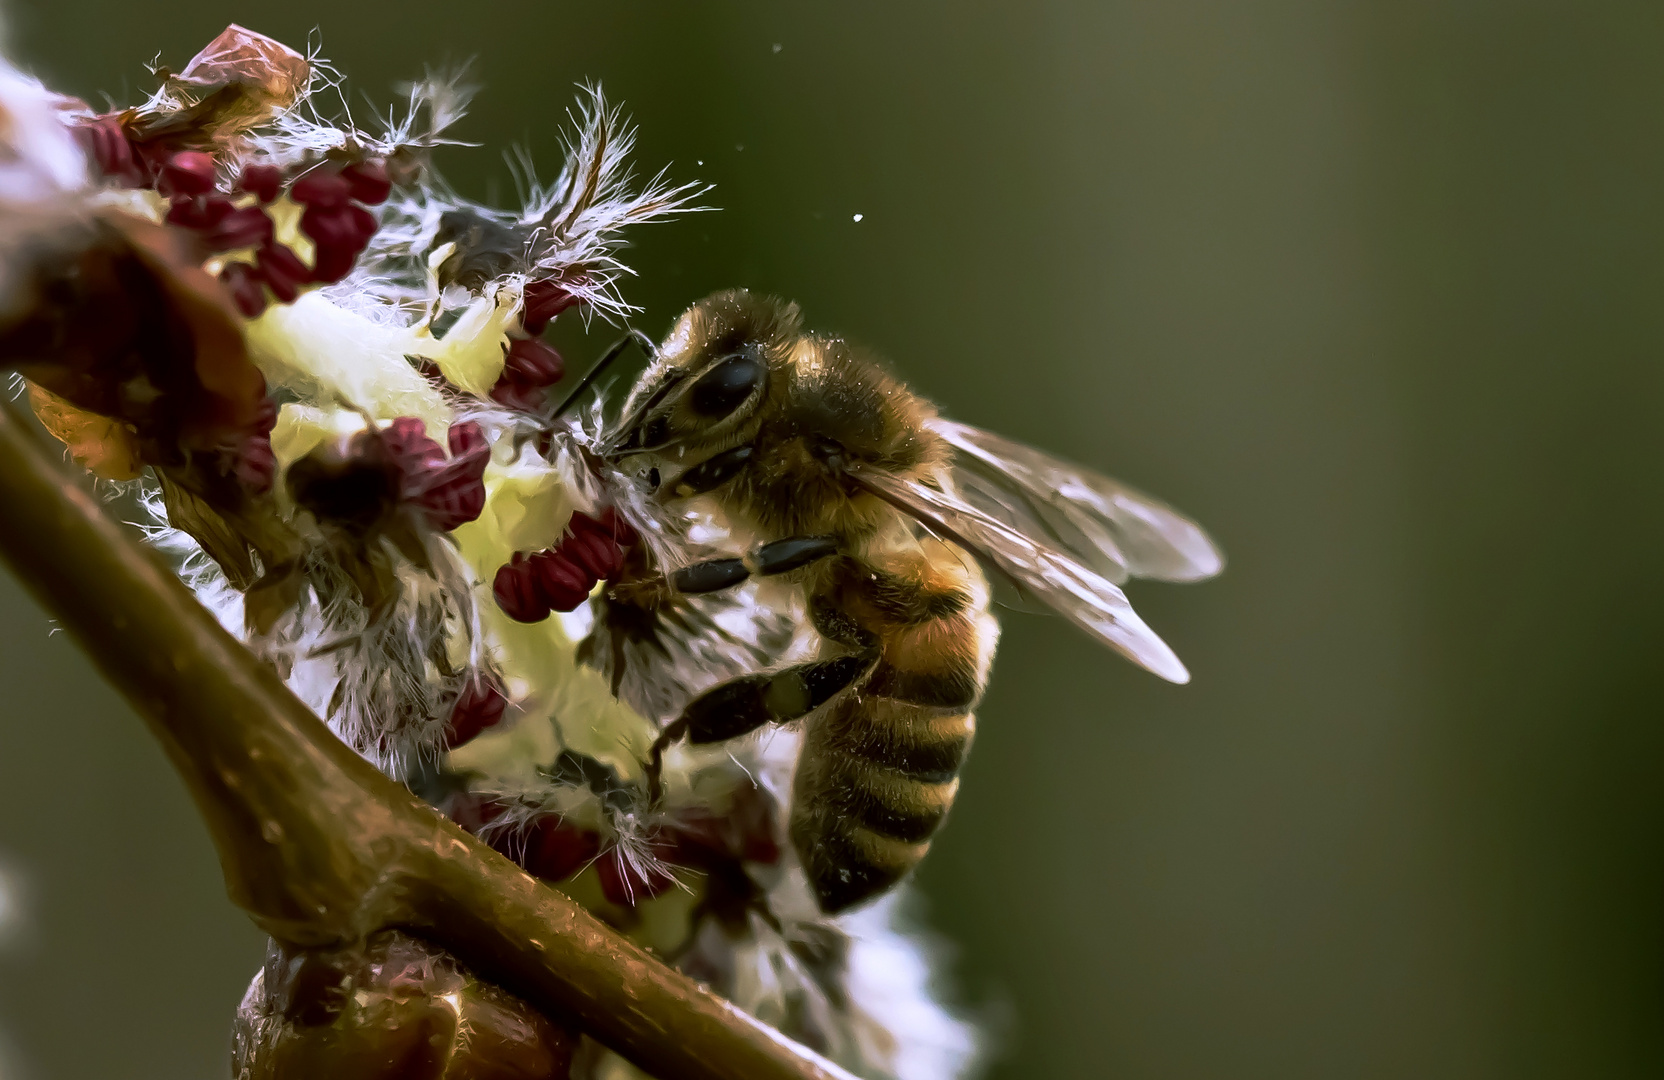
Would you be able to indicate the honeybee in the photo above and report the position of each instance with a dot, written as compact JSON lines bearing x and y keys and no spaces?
{"x":880,"y":511}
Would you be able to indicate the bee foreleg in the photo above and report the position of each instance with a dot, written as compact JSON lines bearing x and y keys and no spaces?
{"x":743,"y":705}
{"x":777,"y":557}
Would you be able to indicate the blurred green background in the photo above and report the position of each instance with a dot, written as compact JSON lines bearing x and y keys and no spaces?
{"x":1372,"y":289}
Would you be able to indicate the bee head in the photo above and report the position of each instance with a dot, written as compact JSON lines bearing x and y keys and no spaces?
{"x":710,"y":379}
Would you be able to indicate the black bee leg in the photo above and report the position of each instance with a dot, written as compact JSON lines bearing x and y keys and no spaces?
{"x":743,"y":705}
{"x":777,"y":557}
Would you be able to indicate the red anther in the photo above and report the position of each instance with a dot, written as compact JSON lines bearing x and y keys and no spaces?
{"x":479,"y":706}
{"x":262,"y":181}
{"x":407,"y":442}
{"x":623,"y":535}
{"x":320,"y":188}
{"x":369,"y":181}
{"x":247,"y":227}
{"x":473,"y":811}
{"x":265,"y":417}
{"x":599,"y":539}
{"x":593,"y":552}
{"x":283,"y":271}
{"x":532,"y":363}
{"x":518,"y":594}
{"x":564,"y":583}
{"x":243,"y":283}
{"x":189,"y":172}
{"x":450,"y":493}
{"x":456,"y":497}
{"x":543,"y":301}
{"x":744,"y":832}
{"x":198,"y":211}
{"x":555,"y":850}
{"x":626,"y":883}
{"x":105,"y":141}
{"x":466,"y":438}
{"x":256,"y":464}
{"x":331,"y":264}
{"x":345,"y":226}
{"x":340,"y":233}
{"x":519,"y":396}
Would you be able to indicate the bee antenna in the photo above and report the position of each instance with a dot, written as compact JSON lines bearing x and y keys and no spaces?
{"x":616,"y":349}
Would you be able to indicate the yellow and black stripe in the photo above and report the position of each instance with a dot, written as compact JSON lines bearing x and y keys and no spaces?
{"x":879,"y":770}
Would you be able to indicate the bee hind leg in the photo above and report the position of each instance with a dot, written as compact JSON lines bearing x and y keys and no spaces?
{"x":741,"y":706}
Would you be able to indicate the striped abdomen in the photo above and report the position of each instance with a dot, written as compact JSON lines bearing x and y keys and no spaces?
{"x":879,"y":769}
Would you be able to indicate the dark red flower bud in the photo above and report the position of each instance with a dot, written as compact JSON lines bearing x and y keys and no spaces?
{"x":533,"y":363}
{"x":368,"y":181}
{"x":331,"y":264}
{"x":450,"y":493}
{"x":247,"y":227}
{"x":628,"y":884}
{"x":611,"y":520}
{"x":473,"y":811}
{"x":256,"y":465}
{"x":594,"y":552}
{"x":595,"y":542}
{"x":105,"y":142}
{"x":262,"y":181}
{"x":198,"y":211}
{"x":555,"y":850}
{"x":519,"y":396}
{"x":410,"y":448}
{"x":518,"y":594}
{"x":283,"y":271}
{"x":265,"y":416}
{"x":189,"y":172}
{"x":456,"y":497}
{"x":466,"y":438}
{"x":345,"y":226}
{"x":564,"y":585}
{"x":243,"y":283}
{"x":340,"y":233}
{"x":543,"y":301}
{"x":479,"y":706}
{"x":320,"y":188}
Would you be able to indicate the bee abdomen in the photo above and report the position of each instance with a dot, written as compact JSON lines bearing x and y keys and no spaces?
{"x":879,"y":770}
{"x":887,"y":801}
{"x":952,"y":686}
{"x":876,"y":779}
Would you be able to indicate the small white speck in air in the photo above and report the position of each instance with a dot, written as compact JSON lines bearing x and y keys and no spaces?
{"x":858,"y":217}
{"x":739,"y":146}
{"x":699,"y":163}
{"x":778,"y":46}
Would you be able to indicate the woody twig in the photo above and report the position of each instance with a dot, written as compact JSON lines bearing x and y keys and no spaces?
{"x":317,"y":846}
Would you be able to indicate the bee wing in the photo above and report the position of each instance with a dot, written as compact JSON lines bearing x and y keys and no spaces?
{"x":1111,"y":528}
{"x":1089,"y":600}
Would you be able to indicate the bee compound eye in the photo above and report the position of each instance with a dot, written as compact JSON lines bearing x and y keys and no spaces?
{"x":726,"y":386}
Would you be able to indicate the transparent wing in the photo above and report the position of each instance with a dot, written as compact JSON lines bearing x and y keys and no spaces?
{"x":1089,"y":600}
{"x":1107,"y":526}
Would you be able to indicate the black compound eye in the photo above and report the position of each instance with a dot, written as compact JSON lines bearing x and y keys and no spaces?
{"x":725,"y":387}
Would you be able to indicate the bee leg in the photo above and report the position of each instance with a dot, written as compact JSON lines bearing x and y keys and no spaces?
{"x":777,"y":557}
{"x":743,"y":705}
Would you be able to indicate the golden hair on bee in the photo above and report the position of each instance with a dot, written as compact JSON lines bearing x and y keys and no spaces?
{"x":737,"y":370}
{"x":853,"y":485}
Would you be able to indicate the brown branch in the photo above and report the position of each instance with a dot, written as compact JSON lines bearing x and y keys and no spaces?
{"x":317,"y":846}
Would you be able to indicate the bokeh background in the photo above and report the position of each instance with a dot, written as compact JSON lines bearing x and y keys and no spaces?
{"x":1373,"y":289}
